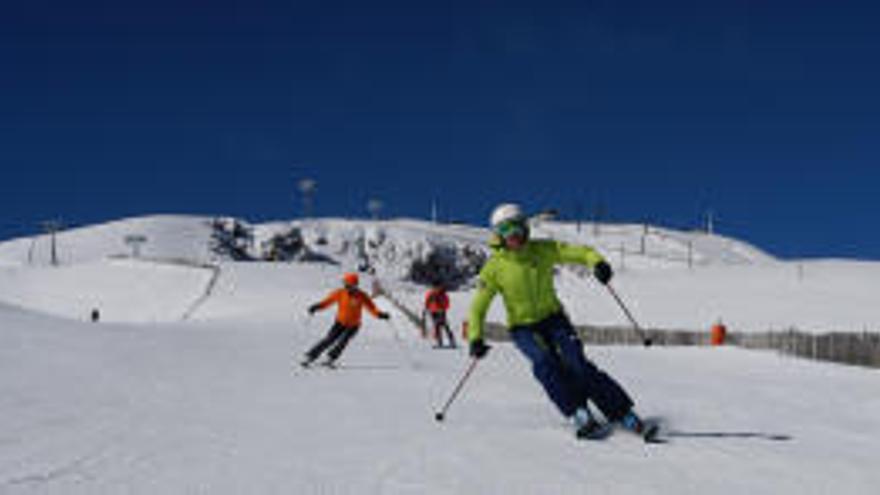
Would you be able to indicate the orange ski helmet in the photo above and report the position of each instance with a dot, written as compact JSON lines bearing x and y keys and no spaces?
{"x":350,"y":279}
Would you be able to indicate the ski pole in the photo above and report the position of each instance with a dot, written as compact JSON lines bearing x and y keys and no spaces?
{"x":641,"y":333}
{"x":441,"y":414}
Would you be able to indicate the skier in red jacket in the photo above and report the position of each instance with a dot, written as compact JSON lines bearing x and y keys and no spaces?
{"x":437,"y":304}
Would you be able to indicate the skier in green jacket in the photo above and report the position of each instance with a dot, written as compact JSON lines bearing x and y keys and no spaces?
{"x":521,"y":270}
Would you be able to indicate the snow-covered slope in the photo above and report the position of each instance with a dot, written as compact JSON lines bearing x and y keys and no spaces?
{"x":146,"y":402}
{"x":214,"y":406}
{"x":643,"y":247}
{"x":167,"y":236}
{"x":120,"y":289}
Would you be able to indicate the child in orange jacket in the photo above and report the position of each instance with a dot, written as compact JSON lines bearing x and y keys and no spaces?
{"x":437,"y":304}
{"x":350,"y":303}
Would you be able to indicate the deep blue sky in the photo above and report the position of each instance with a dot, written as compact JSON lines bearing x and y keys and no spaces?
{"x":767,"y":113}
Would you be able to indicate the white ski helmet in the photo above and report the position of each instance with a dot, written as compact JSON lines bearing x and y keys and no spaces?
{"x":506,"y":212}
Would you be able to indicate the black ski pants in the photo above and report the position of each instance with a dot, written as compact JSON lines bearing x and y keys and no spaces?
{"x":336,"y":339}
{"x":441,"y":325}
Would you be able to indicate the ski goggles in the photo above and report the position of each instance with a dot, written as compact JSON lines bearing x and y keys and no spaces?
{"x":511,"y":228}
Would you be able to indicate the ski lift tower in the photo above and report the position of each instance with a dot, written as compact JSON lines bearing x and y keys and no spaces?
{"x":135,"y":241}
{"x":51,"y":227}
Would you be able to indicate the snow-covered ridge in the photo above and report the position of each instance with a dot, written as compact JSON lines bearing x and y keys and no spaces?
{"x":167,"y":236}
{"x":385,"y":244}
{"x":670,"y":279}
{"x":648,"y":246}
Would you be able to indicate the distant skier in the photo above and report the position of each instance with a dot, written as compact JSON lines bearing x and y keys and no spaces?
{"x":350,"y":302}
{"x":521,"y":270}
{"x":436,"y":305}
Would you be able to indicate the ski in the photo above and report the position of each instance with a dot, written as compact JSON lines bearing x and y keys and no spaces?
{"x":311,"y":366}
{"x":593,"y":431}
{"x":651,"y":434}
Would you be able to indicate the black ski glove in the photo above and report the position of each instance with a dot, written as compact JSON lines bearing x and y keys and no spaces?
{"x":314,"y":308}
{"x":479,"y":349}
{"x":602,"y":272}
{"x":383,"y":316}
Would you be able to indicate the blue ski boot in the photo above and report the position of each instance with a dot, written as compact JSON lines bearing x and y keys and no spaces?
{"x":632,"y":422}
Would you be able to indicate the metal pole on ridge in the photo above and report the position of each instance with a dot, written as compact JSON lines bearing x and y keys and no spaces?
{"x":641,"y":333}
{"x":441,"y":414}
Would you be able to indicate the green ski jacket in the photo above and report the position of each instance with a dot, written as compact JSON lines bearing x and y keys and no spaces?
{"x":524,"y":278}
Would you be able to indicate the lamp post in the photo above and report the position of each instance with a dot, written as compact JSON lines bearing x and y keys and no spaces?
{"x":374,"y":206}
{"x":307,"y":188}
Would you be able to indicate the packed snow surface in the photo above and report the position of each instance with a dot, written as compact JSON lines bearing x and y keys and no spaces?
{"x":189,"y":383}
{"x":220,"y":407}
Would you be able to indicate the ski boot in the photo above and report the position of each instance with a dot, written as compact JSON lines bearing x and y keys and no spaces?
{"x":648,"y":431}
{"x":587,"y":428}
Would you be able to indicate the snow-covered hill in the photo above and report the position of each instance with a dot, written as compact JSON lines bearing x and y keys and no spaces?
{"x":188,"y":383}
{"x":167,"y":236}
{"x":385,"y":244}
{"x":672,"y":279}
